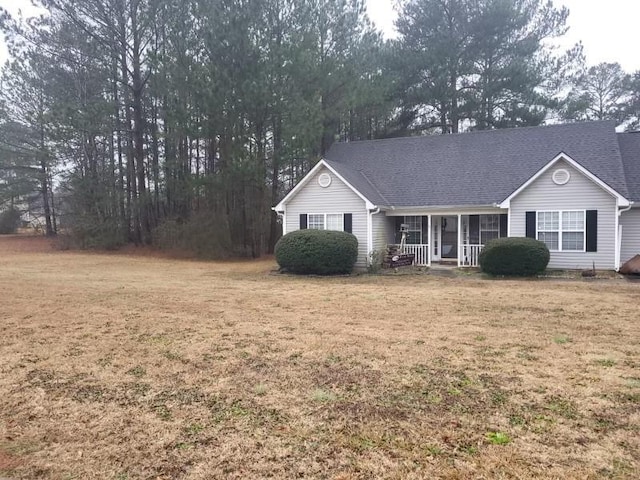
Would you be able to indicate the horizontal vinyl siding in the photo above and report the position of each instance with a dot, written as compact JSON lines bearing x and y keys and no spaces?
{"x":630,"y":222}
{"x":579,"y":193}
{"x":379,"y":232}
{"x":336,"y":198}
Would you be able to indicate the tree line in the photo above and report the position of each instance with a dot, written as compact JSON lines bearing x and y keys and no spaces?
{"x":181,"y":122}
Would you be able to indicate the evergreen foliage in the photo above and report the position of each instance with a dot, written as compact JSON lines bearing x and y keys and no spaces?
{"x":521,"y":257}
{"x":322,"y":252}
{"x":120,"y":116}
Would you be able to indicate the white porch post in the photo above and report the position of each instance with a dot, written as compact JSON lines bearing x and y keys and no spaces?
{"x":459,"y":240}
{"x":429,"y":240}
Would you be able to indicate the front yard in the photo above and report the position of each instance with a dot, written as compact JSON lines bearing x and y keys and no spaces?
{"x":138,"y":367}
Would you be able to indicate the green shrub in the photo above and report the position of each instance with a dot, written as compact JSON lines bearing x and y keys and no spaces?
{"x":9,"y":221}
{"x":323,"y":252}
{"x":514,"y":256}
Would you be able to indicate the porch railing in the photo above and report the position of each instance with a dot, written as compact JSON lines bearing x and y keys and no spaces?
{"x":421,"y":252}
{"x":471,"y":255}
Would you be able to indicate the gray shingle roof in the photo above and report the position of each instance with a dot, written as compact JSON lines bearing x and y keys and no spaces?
{"x":477,"y":168}
{"x":630,"y":151}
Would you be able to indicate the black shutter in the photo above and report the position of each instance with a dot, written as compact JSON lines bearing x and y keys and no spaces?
{"x":592,"y":231}
{"x":531,"y":225}
{"x":397,"y":235}
{"x":303,"y":221}
{"x":504,"y":225}
{"x":425,"y":230}
{"x":474,"y":229}
{"x":348,"y":222}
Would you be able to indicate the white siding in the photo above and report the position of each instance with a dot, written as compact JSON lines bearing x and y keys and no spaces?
{"x":579,"y":193}
{"x":630,"y":222}
{"x":382,"y":232}
{"x":336,"y":198}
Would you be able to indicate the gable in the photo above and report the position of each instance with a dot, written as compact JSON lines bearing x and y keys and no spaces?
{"x":310,"y":181}
{"x":337,"y":197}
{"x":563,"y":166}
{"x":579,"y":191}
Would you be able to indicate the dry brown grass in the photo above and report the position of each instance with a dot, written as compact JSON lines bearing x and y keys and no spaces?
{"x":126,"y":367}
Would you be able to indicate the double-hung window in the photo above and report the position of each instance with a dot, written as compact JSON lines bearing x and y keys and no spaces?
{"x":325,"y":221}
{"x":489,"y":228}
{"x":562,"y":230}
{"x":414,"y":233}
{"x":573,"y":230}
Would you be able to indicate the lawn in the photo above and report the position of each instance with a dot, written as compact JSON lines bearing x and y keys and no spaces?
{"x":125,"y":366}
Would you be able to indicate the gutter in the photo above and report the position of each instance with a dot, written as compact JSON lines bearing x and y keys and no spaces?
{"x":447,"y":207}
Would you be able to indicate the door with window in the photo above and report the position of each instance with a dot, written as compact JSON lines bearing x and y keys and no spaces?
{"x":449,"y":237}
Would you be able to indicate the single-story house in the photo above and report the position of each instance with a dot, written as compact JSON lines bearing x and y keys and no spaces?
{"x":575,"y":187}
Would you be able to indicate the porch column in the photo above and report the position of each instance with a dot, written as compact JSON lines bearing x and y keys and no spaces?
{"x":429,"y":240}
{"x":459,"y":240}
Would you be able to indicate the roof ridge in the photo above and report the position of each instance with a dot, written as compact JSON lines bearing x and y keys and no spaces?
{"x":481,"y":132}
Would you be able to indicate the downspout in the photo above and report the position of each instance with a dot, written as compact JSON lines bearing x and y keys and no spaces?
{"x":626,"y":209}
{"x":370,"y":215}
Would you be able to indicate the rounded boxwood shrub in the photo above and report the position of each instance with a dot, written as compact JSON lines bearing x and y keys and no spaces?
{"x":514,"y":256}
{"x":322,"y":252}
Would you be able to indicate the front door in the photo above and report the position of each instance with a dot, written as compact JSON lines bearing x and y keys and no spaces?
{"x":449,"y":237}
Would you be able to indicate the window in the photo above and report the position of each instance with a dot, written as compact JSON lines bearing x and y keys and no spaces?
{"x":334,"y":221}
{"x":316,"y":221}
{"x":414,"y":236}
{"x":549,"y":229}
{"x":489,"y":228}
{"x":562,"y":230}
{"x":325,"y":221}
{"x":573,"y":228}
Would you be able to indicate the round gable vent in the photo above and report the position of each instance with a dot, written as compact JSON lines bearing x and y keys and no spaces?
{"x":561,"y":176}
{"x":324,"y":180}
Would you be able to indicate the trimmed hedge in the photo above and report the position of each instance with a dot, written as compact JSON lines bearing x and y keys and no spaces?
{"x":520,"y":257}
{"x":322,"y":252}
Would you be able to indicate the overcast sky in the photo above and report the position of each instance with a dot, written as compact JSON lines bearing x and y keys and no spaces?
{"x":608,"y":28}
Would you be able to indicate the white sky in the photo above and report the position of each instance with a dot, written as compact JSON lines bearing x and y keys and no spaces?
{"x":608,"y":28}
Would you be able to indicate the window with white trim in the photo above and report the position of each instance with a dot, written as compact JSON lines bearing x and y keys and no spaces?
{"x":573,"y":230}
{"x":325,"y":221}
{"x":562,"y":231}
{"x":489,"y":228}
{"x":315,"y":221}
{"x":414,"y":235}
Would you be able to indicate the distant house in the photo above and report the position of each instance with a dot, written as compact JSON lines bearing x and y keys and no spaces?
{"x":575,"y":187}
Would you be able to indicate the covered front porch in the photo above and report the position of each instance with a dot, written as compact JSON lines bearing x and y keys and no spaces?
{"x":448,"y":238}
